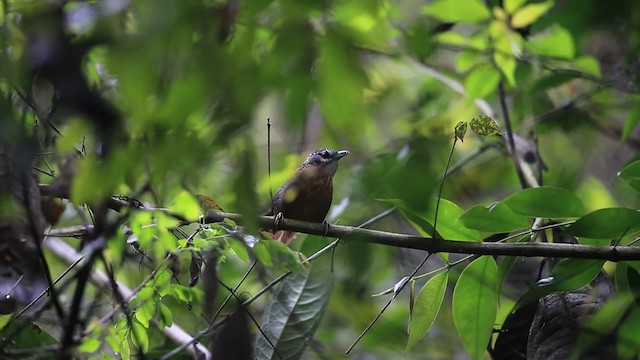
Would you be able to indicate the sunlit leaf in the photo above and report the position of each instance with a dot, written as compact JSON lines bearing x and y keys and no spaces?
{"x":512,"y":5}
{"x":482,"y":81}
{"x":475,"y":301}
{"x":458,"y":10}
{"x":139,"y":336}
{"x":546,"y":202}
{"x":185,"y":205}
{"x":507,"y":65}
{"x":589,"y":65}
{"x":556,"y":43}
{"x":426,"y":308}
{"x":528,"y":14}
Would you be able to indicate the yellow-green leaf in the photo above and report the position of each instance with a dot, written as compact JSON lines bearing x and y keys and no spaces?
{"x":512,"y":5}
{"x":186,"y":205}
{"x":528,"y":14}
{"x":556,"y":43}
{"x":472,"y":11}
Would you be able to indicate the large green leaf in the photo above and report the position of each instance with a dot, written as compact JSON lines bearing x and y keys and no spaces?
{"x":546,"y":202}
{"x":475,"y":301}
{"x":426,"y":308}
{"x":458,"y":10}
{"x":482,"y":81}
{"x":25,"y":335}
{"x":449,"y":225}
{"x":631,"y":173}
{"x":294,"y":313}
{"x":557,"y":43}
{"x":493,"y":219}
{"x":610,"y":223}
{"x":567,"y":275}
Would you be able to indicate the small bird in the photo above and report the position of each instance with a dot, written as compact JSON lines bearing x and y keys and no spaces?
{"x":307,"y":195}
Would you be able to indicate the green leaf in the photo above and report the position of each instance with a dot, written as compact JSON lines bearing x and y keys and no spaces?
{"x":628,"y":344}
{"x":493,"y":219}
{"x":26,"y":335}
{"x":461,"y":130}
{"x":125,"y":351}
{"x":294,"y":313}
{"x":632,"y":120}
{"x":610,"y":223}
{"x":528,"y":14}
{"x":475,"y":300}
{"x":567,"y":275}
{"x":555,"y":43}
{"x":631,"y":174}
{"x":239,"y":249}
{"x":89,"y":345}
{"x":186,"y":205}
{"x":472,"y":11}
{"x":426,"y":308}
{"x":507,"y":65}
{"x":144,"y":313}
{"x":261,"y":252}
{"x":602,"y":323}
{"x":139,"y":336}
{"x":545,"y":202}
{"x":483,"y":125}
{"x":166,"y":317}
{"x":481,"y":81}
{"x":467,"y":60}
{"x":449,"y":226}
{"x":589,"y":65}
{"x":338,"y":68}
{"x":512,"y":5}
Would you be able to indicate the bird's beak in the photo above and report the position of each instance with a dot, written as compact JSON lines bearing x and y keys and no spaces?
{"x":340,"y":154}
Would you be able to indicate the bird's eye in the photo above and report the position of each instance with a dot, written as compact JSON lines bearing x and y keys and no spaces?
{"x":325,"y":154}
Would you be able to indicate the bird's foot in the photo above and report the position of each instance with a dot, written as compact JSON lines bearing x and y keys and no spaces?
{"x":277,"y":220}
{"x":325,"y":226}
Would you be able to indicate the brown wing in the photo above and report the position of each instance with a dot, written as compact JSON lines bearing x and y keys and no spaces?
{"x":306,"y":199}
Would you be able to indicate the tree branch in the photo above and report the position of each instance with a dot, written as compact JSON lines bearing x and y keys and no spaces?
{"x":610,"y":253}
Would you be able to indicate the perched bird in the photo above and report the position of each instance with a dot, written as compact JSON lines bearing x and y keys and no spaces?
{"x":307,"y":195}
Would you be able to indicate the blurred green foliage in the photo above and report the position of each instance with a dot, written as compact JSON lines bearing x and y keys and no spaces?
{"x":194,"y":82}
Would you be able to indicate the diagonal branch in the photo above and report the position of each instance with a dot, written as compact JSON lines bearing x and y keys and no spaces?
{"x":349,"y":233}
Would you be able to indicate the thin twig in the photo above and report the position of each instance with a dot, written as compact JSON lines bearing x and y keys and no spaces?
{"x":510,"y":142}
{"x":395,"y":294}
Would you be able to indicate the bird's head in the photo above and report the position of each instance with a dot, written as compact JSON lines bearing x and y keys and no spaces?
{"x":324,"y":159}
